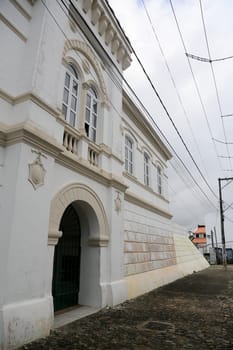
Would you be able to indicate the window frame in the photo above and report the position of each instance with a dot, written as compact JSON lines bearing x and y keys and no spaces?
{"x":91,"y":125}
{"x":159,"y":180}
{"x":70,"y":99}
{"x":146,"y":169}
{"x":129,"y":155}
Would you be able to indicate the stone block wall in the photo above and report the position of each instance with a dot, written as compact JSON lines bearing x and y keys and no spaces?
{"x":156,"y":251}
{"x":145,"y":252}
{"x":148,"y":244}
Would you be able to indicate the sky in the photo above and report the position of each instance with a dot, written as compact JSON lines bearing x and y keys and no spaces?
{"x":187,"y":88}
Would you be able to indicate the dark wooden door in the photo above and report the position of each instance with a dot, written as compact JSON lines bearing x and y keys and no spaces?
{"x":66,"y":269}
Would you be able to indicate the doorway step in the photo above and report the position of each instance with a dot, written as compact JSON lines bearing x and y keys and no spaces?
{"x":72,"y":314}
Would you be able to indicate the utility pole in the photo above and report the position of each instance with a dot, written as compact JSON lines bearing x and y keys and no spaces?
{"x":224,"y":257}
{"x":215,"y":234}
{"x":224,"y":260}
{"x":212,"y":238}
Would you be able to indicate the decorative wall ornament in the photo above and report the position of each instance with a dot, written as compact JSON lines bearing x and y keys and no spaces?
{"x":86,"y":66}
{"x":36,"y":170}
{"x":118,"y":202}
{"x":87,"y":51}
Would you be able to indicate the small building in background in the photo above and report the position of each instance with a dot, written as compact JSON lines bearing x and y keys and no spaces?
{"x":199,"y":238}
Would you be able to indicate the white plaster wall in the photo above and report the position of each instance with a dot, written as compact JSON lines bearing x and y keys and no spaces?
{"x":21,"y":69}
{"x":23,"y":253}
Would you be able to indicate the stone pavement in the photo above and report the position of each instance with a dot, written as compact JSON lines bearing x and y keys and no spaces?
{"x":195,"y":312}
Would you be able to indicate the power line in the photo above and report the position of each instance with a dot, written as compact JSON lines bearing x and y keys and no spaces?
{"x":195,"y":82}
{"x":181,"y":174}
{"x":214,"y":79}
{"x":172,"y":121}
{"x":174,"y":83}
{"x":207,"y":60}
{"x":132,"y":91}
{"x":224,"y":142}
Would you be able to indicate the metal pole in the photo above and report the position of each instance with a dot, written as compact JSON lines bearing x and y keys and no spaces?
{"x":215,"y":234}
{"x":222,"y":226}
{"x":212,"y":238}
{"x":216,"y":242}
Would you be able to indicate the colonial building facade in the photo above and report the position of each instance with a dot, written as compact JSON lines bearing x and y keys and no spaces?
{"x":84,"y":206}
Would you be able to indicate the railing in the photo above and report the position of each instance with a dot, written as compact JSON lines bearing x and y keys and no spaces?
{"x":71,"y":139}
{"x":93,"y":157}
{"x":70,"y":142}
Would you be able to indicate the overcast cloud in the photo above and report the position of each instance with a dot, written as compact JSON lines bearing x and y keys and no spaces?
{"x":188,"y":205}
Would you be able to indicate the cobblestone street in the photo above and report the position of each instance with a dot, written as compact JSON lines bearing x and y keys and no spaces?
{"x":195,"y":312}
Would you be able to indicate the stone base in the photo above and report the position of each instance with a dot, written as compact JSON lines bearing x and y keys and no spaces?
{"x":23,"y":322}
{"x":114,"y":293}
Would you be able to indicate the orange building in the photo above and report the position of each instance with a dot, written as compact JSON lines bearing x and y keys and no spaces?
{"x":200,"y":237}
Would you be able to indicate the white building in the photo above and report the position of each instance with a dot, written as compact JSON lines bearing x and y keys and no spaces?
{"x":84,"y":207}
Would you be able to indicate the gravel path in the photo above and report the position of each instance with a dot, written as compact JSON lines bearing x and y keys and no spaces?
{"x":195,"y":312}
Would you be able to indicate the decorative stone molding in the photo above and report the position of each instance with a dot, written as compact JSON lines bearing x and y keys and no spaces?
{"x":86,"y":66}
{"x":103,"y":24}
{"x":13,"y":28}
{"x":78,"y":193}
{"x":53,"y":237}
{"x":86,"y":50}
{"x":37,"y":171}
{"x":29,"y":133}
{"x":87,"y":5}
{"x":115,"y":45}
{"x":97,"y":13}
{"x":109,"y":34}
{"x":138,"y":118}
{"x":29,"y":96}
{"x":120,"y":53}
{"x":132,"y":198}
{"x":118,"y":202}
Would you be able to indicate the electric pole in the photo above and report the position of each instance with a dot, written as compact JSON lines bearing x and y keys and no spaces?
{"x":224,"y":257}
{"x":224,"y":260}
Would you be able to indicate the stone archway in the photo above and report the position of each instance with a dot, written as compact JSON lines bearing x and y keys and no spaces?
{"x":98,"y":235}
{"x":94,"y":235}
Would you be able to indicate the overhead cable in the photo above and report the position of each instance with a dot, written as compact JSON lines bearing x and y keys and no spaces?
{"x":174,"y":85}
{"x":204,"y":59}
{"x":215,"y":82}
{"x":195,"y":82}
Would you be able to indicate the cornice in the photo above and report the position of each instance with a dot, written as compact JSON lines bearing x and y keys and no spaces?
{"x":28,"y":133}
{"x":29,"y":96}
{"x":98,"y":14}
{"x":13,"y":28}
{"x":21,"y":9}
{"x":139,"y":119}
{"x":83,"y":167}
{"x":132,"y":198}
{"x":146,"y":188}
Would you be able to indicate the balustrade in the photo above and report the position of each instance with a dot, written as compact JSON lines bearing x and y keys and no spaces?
{"x":70,"y":142}
{"x":93,"y":157}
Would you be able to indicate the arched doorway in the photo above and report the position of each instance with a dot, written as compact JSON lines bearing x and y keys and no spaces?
{"x":89,"y":211}
{"x":66,"y":268}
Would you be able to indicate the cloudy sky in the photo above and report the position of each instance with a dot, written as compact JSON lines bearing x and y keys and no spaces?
{"x":188,"y":90}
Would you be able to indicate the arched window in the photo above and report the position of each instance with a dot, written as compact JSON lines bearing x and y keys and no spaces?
{"x":91,"y":114}
{"x":70,"y":96}
{"x":159,"y":180}
{"x":128,"y":155}
{"x":146,"y":169}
